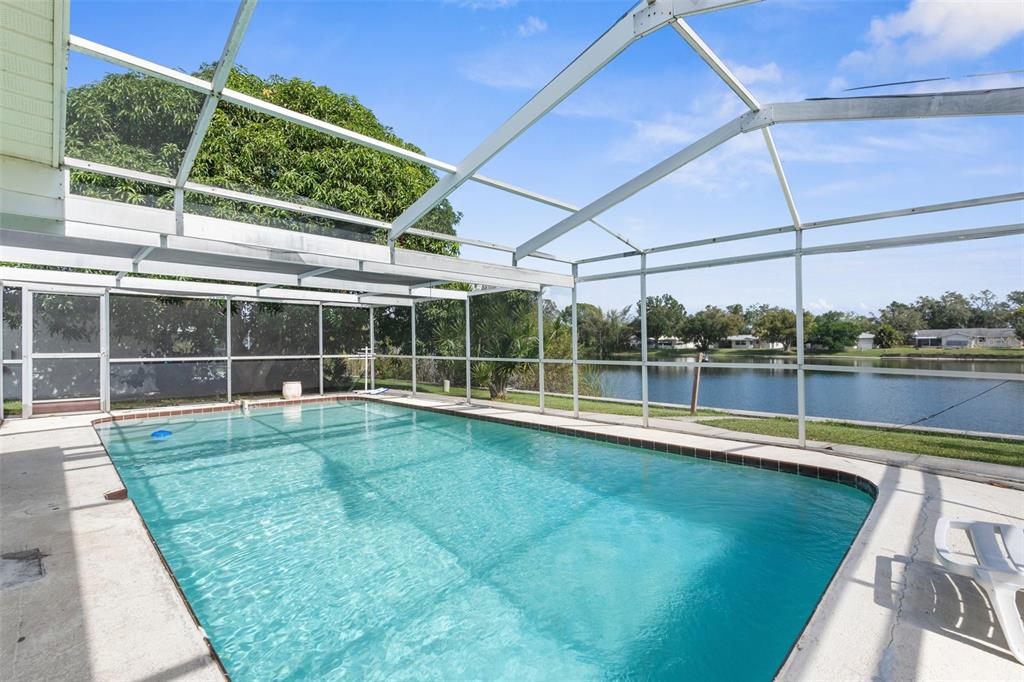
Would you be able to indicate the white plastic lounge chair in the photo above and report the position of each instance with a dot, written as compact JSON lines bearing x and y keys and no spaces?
{"x":1000,"y":573}
{"x":374,"y":391}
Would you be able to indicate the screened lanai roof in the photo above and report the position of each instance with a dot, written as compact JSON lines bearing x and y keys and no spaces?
{"x":180,"y":249}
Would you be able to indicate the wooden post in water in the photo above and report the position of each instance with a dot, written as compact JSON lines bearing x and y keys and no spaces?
{"x":696,"y":386}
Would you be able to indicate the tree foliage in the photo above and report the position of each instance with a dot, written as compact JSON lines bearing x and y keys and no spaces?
{"x":665,"y":316}
{"x":776,"y":325}
{"x":904,"y":318}
{"x":834,"y":330}
{"x":142,"y":123}
{"x":602,"y":333}
{"x":504,"y":325}
{"x":887,"y":336}
{"x":707,"y":327}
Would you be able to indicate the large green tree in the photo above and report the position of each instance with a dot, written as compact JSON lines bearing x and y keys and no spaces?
{"x":887,"y":336}
{"x":503,"y":325}
{"x":776,"y":325}
{"x":601,"y":333}
{"x":707,"y":327}
{"x":952,"y":310}
{"x":665,"y":316}
{"x":835,"y":330}
{"x":142,"y":123}
{"x":905,"y":319}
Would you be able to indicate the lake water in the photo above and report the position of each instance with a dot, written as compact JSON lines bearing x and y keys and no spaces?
{"x":869,"y":397}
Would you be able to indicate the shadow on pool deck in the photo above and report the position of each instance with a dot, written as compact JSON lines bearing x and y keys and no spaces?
{"x":924,"y":596}
{"x":105,"y":608}
{"x":43,"y":622}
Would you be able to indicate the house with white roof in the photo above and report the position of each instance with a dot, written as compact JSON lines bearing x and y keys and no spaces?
{"x":975,"y":337}
{"x":751,"y":342}
{"x":865,"y":341}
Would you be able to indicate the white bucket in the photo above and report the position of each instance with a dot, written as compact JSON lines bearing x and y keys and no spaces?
{"x":447,"y":386}
{"x":291,"y":390}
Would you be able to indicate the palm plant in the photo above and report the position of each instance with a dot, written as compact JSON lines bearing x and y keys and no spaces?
{"x":504,"y":326}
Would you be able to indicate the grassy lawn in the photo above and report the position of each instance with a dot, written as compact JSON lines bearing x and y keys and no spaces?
{"x":997,"y":451}
{"x":12,"y":408}
{"x":552,"y":401}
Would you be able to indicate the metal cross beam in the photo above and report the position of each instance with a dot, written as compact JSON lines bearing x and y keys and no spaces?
{"x":818,"y":224}
{"x":143,"y":66}
{"x":646,"y":17}
{"x":631,"y":187}
{"x":1007,"y":101}
{"x":716,"y":64}
{"x":220,"y":77}
{"x":992,"y":232}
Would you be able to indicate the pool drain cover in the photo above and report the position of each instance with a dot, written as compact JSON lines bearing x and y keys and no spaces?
{"x":20,"y":567}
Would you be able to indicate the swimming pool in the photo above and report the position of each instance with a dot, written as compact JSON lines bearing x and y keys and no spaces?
{"x":365,"y":540}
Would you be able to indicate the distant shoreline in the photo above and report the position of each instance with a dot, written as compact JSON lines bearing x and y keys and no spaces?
{"x":1009,"y":355}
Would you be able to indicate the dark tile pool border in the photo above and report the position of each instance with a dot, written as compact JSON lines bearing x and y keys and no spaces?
{"x":808,"y":470}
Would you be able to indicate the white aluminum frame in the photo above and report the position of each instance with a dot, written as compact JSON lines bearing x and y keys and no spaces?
{"x":102,"y":224}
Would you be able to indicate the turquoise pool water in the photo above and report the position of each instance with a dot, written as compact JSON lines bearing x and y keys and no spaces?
{"x":368,"y":541}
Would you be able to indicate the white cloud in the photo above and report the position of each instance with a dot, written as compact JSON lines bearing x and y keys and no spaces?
{"x":726,"y":170}
{"x":933,"y":30}
{"x":766,"y":73}
{"x":531,"y":27}
{"x":513,"y":67}
{"x":819,"y":305}
{"x":483,"y":4}
{"x":651,"y":138}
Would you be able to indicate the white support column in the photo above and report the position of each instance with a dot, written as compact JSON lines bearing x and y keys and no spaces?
{"x":801,"y":399}
{"x":643,"y":340}
{"x":26,"y":352}
{"x":105,"y":351}
{"x":575,"y":350}
{"x":801,"y":394}
{"x":373,"y":352}
{"x":469,"y":387}
{"x":227,"y":345}
{"x":320,"y":335}
{"x":179,"y":211}
{"x":412,"y":318}
{"x":540,"y":349}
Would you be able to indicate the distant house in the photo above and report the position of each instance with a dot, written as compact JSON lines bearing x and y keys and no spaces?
{"x":669,"y":343}
{"x":866,"y":341}
{"x":750,"y":342}
{"x":979,"y":337}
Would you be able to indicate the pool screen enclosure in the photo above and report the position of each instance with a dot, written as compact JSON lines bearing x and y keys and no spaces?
{"x":174,"y":252}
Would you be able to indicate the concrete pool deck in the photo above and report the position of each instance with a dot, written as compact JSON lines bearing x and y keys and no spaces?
{"x":106,"y":608}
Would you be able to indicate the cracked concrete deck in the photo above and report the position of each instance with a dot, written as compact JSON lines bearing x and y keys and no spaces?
{"x":107,"y":610}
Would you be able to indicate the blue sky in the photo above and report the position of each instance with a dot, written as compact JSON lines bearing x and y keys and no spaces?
{"x":444,"y":74}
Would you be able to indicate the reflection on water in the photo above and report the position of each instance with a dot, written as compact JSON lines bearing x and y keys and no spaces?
{"x":867,"y":397}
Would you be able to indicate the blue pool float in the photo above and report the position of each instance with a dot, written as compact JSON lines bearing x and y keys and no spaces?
{"x":161,"y":434}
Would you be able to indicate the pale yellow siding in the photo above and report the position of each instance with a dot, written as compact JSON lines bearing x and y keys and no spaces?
{"x":28,"y":110}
